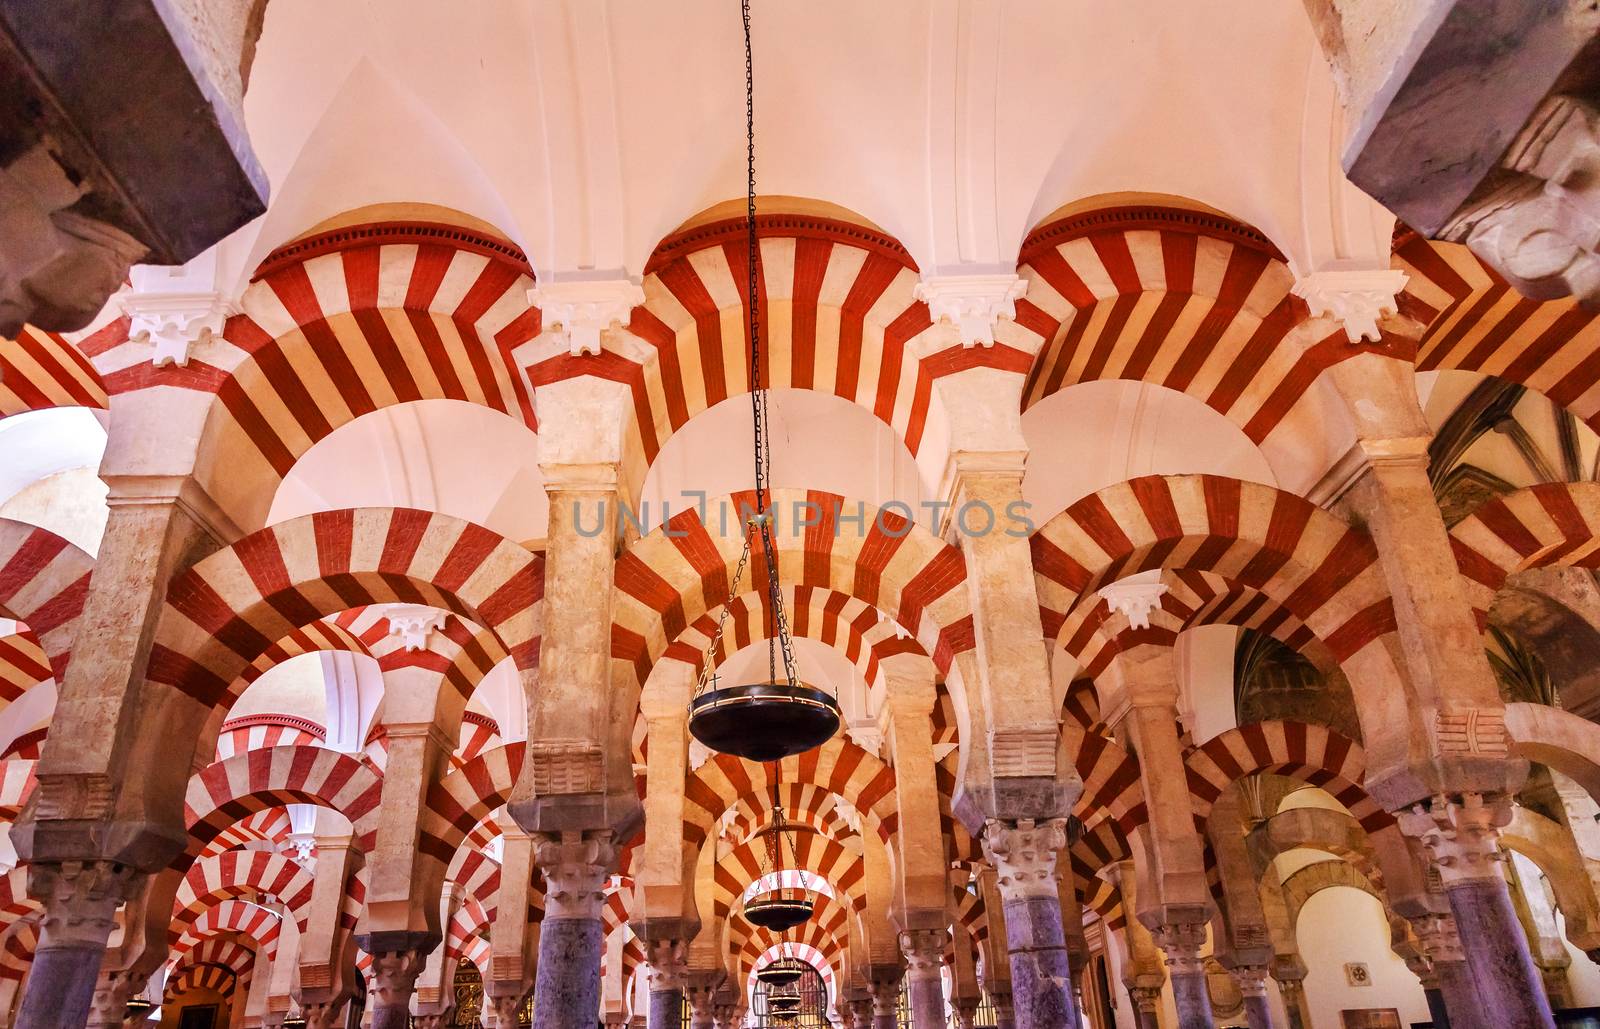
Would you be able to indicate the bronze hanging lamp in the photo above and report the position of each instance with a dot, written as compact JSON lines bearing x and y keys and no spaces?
{"x":782,"y":907}
{"x":785,"y":971}
{"x":771,"y":720}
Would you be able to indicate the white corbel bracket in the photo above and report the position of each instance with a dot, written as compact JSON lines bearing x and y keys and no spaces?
{"x":1135,"y":597}
{"x":972,"y":303}
{"x":413,"y":624}
{"x":584,"y":308}
{"x":1356,"y":298}
{"x":175,"y":323}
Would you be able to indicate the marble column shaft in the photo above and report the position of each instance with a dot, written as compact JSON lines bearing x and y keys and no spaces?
{"x":924,"y":951}
{"x":1145,"y":1000}
{"x":1187,"y":973}
{"x":571,"y":939}
{"x":1024,"y":857}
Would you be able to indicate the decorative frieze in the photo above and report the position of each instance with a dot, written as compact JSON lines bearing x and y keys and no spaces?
{"x":1355,"y":298}
{"x":972,"y":303}
{"x":582,"y":309}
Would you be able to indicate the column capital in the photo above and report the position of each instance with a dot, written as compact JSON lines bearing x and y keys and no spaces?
{"x":1024,"y":855}
{"x":1135,"y":597}
{"x":884,"y":986}
{"x":176,"y":310}
{"x":575,"y":865}
{"x":1436,"y":933}
{"x":80,"y":900}
{"x":1356,"y":298}
{"x":974,"y":302}
{"x":924,"y":951}
{"x":966,"y":1010}
{"x":1181,"y":942}
{"x":394,"y":974}
{"x":669,"y":962}
{"x":412,"y":624}
{"x":1250,"y":979}
{"x":583,"y":308}
{"x":1145,"y":998}
{"x":1461,"y":833}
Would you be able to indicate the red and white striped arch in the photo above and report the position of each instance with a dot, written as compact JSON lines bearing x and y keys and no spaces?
{"x":23,"y":665}
{"x":270,"y":825}
{"x":1176,"y":298}
{"x":464,"y":798}
{"x":1323,"y":571}
{"x":1310,"y":753}
{"x":245,"y":874}
{"x":843,"y":869}
{"x":828,"y":930}
{"x":1193,"y":598}
{"x":221,"y":951}
{"x":838,"y":766}
{"x":1096,"y":848}
{"x":665,"y":583}
{"x":203,"y":977}
{"x":346,"y":322}
{"x":15,"y":902}
{"x":255,"y":732}
{"x":16,"y":785}
{"x":330,"y":633}
{"x":254,"y":922}
{"x":838,"y":316}
{"x":226,"y":791}
{"x":1536,"y":527}
{"x":230,"y":608}
{"x":17,"y":947}
{"x":1477,"y":322}
{"x":40,"y":370}
{"x":43,"y":583}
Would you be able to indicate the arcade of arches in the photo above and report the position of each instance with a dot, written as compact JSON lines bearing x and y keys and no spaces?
{"x":1204,"y":561}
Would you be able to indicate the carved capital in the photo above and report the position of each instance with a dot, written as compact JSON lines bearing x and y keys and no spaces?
{"x":1181,"y":942}
{"x":412,"y":624}
{"x":966,"y":1013}
{"x":584,"y":308}
{"x":1438,"y":937}
{"x":575,"y":867}
{"x":566,"y":766}
{"x":669,"y":962}
{"x":1478,"y":731}
{"x":1355,"y":298}
{"x":1461,"y":834}
{"x":924,"y":951}
{"x":80,"y":900}
{"x":1541,"y":229}
{"x":884,"y":986}
{"x":1145,"y":998}
{"x":1250,"y":979}
{"x":322,"y":1014}
{"x":1024,"y":856}
{"x":972,"y":303}
{"x":394,"y":975}
{"x":112,"y":991}
{"x":505,"y":1008}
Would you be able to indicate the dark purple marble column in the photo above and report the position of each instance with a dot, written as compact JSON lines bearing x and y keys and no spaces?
{"x":1252,"y":983}
{"x":1508,"y":983}
{"x":924,"y":951}
{"x":1457,"y":995}
{"x":1145,"y":1000}
{"x":80,"y":906}
{"x":885,"y":990}
{"x":1293,"y":992}
{"x":1024,"y":857}
{"x":1181,"y":942}
{"x":397,"y":960}
{"x":666,"y":1008}
{"x":566,"y":991}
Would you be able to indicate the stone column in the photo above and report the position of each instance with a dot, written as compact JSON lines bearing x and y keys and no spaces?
{"x":1145,"y":1000}
{"x":924,"y":951}
{"x":966,"y":1014}
{"x":1290,"y":974}
{"x":1005,"y":1013}
{"x":861,"y":1012}
{"x":512,"y":937}
{"x":1252,"y":983}
{"x":394,"y":979}
{"x":80,"y":906}
{"x":884,"y":986}
{"x":575,"y":865}
{"x":1024,"y":857}
{"x":111,"y":996}
{"x":728,"y":1011}
{"x":1447,"y":967}
{"x":1181,"y":941}
{"x":701,"y":990}
{"x":1461,"y":834}
{"x":669,"y":960}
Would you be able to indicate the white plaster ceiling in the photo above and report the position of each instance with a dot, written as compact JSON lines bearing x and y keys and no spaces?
{"x":588,"y":129}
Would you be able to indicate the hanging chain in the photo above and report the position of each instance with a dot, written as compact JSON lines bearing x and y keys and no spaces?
{"x":778,"y":639}
{"x":708,"y":664}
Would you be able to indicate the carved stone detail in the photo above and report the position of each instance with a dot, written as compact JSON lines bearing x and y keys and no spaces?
{"x":1461,"y":834}
{"x":175,"y":323}
{"x":1181,"y":942}
{"x":973,"y":303}
{"x":62,"y":797}
{"x":1250,"y":979}
{"x":924,"y":951}
{"x":412,"y":624}
{"x":669,"y":962}
{"x":1023,"y":752}
{"x":575,"y":867}
{"x":566,"y":766}
{"x":584,"y":308}
{"x":1355,"y":298}
{"x":1541,"y":229}
{"x":1471,"y":732}
{"x":1145,"y":998}
{"x":1438,"y":937}
{"x":80,"y":900}
{"x":394,"y":975}
{"x":1024,"y":856}
{"x":1135,"y":597}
